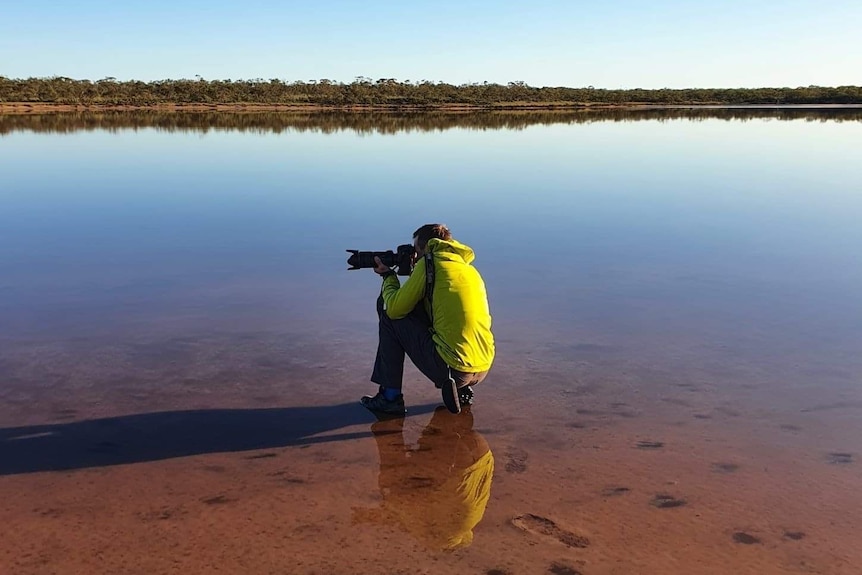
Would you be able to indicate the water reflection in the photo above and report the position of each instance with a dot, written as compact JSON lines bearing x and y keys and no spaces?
{"x":693,"y":284}
{"x":387,"y":123}
{"x":436,"y":490}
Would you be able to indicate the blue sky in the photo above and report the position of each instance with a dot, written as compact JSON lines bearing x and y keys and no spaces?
{"x":613,"y":44}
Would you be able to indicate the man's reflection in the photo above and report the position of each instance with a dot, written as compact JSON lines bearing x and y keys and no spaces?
{"x":437,"y":490}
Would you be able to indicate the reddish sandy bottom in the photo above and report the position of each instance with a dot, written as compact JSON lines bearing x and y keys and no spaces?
{"x":201,"y":455}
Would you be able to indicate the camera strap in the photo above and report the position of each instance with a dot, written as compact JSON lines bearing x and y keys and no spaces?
{"x":429,"y":295}
{"x":429,"y":285}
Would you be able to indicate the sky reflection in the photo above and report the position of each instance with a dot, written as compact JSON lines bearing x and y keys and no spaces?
{"x":640,"y":225}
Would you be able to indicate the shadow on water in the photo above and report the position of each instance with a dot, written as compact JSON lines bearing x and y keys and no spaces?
{"x":165,"y":435}
{"x":387,"y":122}
{"x":436,"y":490}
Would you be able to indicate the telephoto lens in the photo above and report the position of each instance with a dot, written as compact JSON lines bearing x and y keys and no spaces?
{"x":401,"y":259}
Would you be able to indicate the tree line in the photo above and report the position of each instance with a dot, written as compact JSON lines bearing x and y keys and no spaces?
{"x":389,"y":92}
{"x":385,"y":122}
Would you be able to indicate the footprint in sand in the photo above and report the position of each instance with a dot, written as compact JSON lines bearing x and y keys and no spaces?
{"x":724,"y":467}
{"x":794,"y":535}
{"x":161,"y":514}
{"x":516,"y":460}
{"x":262,"y":456}
{"x":561,"y":569}
{"x":839,"y":458}
{"x":665,"y":501}
{"x":65,"y":414}
{"x":538,"y":525}
{"x":650,"y":444}
{"x":745,"y":538}
{"x":614,"y":491}
{"x":48,"y":512}
{"x":217,"y":500}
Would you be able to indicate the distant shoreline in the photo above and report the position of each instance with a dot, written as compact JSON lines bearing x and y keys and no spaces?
{"x":40,"y":107}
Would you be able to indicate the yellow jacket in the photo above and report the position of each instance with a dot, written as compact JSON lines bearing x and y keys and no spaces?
{"x":462,"y":321}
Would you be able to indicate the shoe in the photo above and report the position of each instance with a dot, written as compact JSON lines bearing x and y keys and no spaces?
{"x":450,"y":396}
{"x":379,"y":404}
{"x":465,"y":396}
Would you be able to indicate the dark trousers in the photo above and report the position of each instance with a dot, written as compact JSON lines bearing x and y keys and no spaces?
{"x":411,"y":335}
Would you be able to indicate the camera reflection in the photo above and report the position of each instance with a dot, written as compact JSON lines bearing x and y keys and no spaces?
{"x":436,"y":490}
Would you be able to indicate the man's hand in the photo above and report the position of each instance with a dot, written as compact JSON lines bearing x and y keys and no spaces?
{"x":379,"y":268}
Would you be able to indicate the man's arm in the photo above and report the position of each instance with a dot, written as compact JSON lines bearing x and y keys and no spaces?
{"x":398,"y":300}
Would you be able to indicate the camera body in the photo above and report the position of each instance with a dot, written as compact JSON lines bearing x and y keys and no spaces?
{"x":401,"y":259}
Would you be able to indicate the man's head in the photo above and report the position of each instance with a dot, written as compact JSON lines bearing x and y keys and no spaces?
{"x":427,"y":232}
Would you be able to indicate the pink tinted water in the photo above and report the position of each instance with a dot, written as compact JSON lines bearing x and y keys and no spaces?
{"x":676,"y":388}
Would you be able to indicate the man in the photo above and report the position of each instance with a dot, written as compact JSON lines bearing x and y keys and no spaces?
{"x":448,"y":337}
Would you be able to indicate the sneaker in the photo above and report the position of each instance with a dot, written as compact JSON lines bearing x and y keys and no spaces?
{"x":465,"y":396}
{"x":450,"y":396}
{"x":379,"y":404}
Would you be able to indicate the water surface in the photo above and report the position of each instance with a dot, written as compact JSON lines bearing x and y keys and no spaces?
{"x":675,"y":298}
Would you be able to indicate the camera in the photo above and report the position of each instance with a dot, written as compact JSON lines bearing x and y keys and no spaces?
{"x":401,"y":258}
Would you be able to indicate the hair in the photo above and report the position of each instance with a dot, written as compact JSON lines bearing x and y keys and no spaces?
{"x":429,"y":231}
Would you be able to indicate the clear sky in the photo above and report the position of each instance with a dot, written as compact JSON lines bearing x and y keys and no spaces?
{"x":610,"y":44}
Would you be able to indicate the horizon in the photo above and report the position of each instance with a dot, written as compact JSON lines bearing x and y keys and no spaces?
{"x":667,"y":44}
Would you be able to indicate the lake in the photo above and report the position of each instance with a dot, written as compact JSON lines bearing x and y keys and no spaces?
{"x":675,"y":294}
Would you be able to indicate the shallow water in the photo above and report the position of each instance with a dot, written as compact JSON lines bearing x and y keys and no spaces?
{"x":675,"y":299}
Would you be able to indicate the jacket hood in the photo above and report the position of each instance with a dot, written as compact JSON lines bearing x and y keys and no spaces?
{"x":451,"y":249}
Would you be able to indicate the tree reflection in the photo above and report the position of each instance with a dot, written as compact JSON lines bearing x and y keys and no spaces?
{"x":385,"y":122}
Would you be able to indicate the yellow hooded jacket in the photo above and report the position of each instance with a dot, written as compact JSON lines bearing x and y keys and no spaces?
{"x":462,"y":321}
